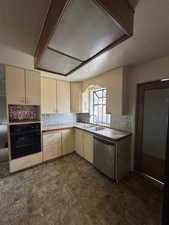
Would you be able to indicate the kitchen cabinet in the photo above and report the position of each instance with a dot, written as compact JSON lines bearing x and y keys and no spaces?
{"x":48,"y":93}
{"x":15,"y":85}
{"x":67,"y":141}
{"x":51,"y":145}
{"x":117,"y":92}
{"x":33,"y":88}
{"x":22,"y":86}
{"x":25,"y":162}
{"x":79,"y":142}
{"x":76,"y":97}
{"x":84,"y":144}
{"x":88,"y":146}
{"x":63,"y":96}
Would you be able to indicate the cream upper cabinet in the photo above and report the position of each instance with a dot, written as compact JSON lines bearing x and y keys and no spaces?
{"x":48,"y":95}
{"x":79,"y":142}
{"x":15,"y":85}
{"x":51,"y":145}
{"x":88,"y":146}
{"x":63,"y":96}
{"x":117,"y":92}
{"x":22,"y":86}
{"x":76,"y":97}
{"x":67,"y":141}
{"x":33,"y":88}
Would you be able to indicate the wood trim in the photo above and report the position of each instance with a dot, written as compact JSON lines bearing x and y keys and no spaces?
{"x":55,"y":13}
{"x":141,"y":88}
{"x":165,"y":218}
{"x":125,"y":37}
{"x":53,"y":17}
{"x":124,"y":16}
{"x":61,"y":53}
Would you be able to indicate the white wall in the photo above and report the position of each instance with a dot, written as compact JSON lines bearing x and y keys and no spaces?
{"x":11,"y":56}
{"x":15,"y":57}
{"x":150,"y":71}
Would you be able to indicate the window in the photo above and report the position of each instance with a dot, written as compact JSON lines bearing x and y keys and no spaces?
{"x":98,"y":100}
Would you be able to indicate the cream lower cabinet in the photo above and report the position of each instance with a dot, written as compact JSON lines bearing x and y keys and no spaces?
{"x":88,"y":144}
{"x":51,"y":145}
{"x":84,"y":144}
{"x":67,"y":141}
{"x":79,"y":142}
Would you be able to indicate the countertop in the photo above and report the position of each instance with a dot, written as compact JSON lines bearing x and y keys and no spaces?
{"x":108,"y":133}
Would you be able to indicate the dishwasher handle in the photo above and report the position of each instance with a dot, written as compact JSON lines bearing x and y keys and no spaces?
{"x":105,"y":141}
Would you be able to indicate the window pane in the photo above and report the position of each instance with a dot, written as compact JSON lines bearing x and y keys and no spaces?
{"x":98,"y":105}
{"x":96,"y":100}
{"x":99,"y":94}
{"x":104,"y":93}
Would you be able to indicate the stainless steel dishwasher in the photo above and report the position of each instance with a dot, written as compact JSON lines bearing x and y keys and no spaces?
{"x":104,"y":156}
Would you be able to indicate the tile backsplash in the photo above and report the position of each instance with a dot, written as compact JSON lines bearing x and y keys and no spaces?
{"x":83,"y":117}
{"x":121,"y":123}
{"x":19,"y":113}
{"x":117,"y":122}
{"x":58,"y":118}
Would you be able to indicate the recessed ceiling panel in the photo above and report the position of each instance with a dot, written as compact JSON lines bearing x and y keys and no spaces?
{"x":84,"y":30}
{"x":53,"y":61}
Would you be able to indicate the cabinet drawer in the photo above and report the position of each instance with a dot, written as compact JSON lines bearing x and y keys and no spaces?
{"x":25,"y":162}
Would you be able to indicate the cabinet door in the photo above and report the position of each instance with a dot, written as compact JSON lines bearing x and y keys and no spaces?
{"x":88,"y":147}
{"x":33,"y":93}
{"x":15,"y":85}
{"x":67,"y":141}
{"x":63,"y":96}
{"x":48,"y":92}
{"x":76,"y":97}
{"x":79,"y":142}
{"x":51,"y":145}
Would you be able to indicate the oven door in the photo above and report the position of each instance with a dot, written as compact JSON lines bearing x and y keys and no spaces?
{"x":25,"y":143}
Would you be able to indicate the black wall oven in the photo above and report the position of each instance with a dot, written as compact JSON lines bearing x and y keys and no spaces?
{"x":25,"y":139}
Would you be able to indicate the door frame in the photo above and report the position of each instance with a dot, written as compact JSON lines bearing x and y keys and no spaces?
{"x":141,"y":88}
{"x":165,"y":216}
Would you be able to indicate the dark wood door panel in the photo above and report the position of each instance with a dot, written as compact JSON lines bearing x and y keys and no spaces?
{"x":153,"y":167}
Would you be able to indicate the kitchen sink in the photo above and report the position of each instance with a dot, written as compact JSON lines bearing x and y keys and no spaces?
{"x":95,"y":128}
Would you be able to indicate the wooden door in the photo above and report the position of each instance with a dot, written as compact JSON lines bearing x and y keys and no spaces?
{"x":33,"y":88}
{"x":67,"y":141}
{"x":151,"y":128}
{"x":63,"y":96}
{"x":88,"y":146}
{"x":48,"y":93}
{"x":79,"y":142}
{"x":15,"y":85}
{"x":51,"y":145}
{"x":165,"y":217}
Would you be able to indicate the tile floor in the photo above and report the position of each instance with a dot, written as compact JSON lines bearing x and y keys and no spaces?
{"x":69,"y":191}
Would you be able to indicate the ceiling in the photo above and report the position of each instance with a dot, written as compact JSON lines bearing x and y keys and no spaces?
{"x":21,"y":22}
{"x":150,"y":41}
